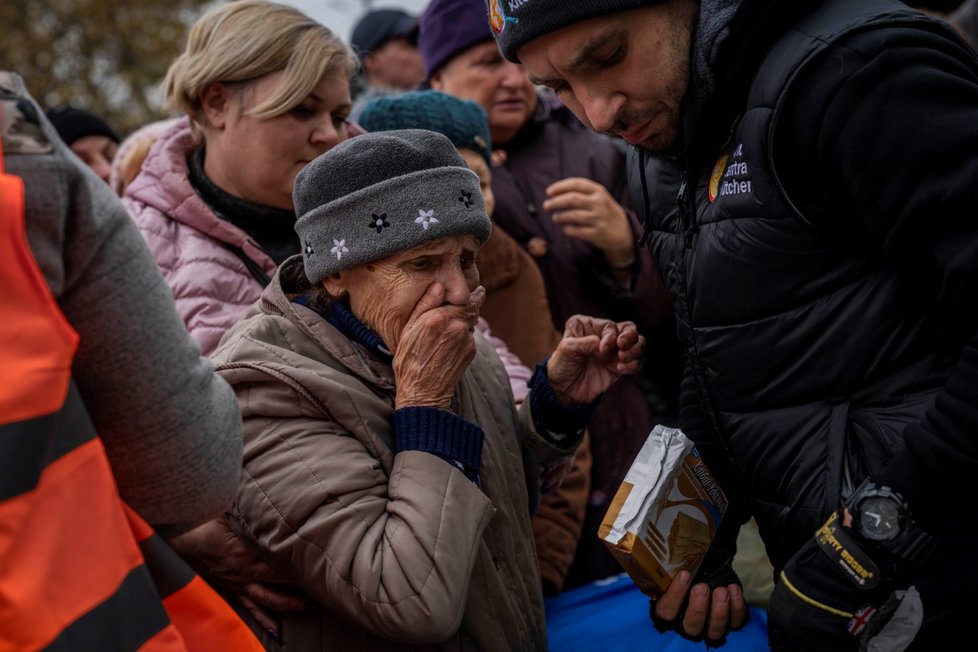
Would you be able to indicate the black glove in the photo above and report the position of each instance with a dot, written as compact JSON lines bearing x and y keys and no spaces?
{"x":831,"y":596}
{"x":716,"y":570}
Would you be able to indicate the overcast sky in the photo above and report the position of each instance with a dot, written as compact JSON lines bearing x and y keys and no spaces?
{"x":341,"y":15}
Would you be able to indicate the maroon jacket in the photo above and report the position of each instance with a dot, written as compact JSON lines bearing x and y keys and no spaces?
{"x":554,"y":145}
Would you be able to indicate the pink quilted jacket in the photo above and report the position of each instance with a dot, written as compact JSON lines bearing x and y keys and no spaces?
{"x":211,"y":285}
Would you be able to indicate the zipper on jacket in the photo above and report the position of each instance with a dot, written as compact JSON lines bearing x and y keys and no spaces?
{"x":684,"y":235}
{"x":687,"y":209}
{"x":646,"y":203}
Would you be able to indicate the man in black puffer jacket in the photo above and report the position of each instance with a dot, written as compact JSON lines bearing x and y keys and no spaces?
{"x":810,"y":178}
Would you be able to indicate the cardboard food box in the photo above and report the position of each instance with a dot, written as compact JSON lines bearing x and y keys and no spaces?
{"x":665,"y":514}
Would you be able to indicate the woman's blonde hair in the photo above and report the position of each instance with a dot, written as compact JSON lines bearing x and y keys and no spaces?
{"x":244,"y":40}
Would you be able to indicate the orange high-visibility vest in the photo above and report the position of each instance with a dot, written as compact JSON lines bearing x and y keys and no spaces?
{"x":79,"y":570}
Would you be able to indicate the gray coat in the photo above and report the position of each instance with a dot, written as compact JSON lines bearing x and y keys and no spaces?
{"x":170,"y":426}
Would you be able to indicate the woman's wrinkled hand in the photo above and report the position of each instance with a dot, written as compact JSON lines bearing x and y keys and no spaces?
{"x":592,"y":354}
{"x":224,"y":560}
{"x":435,"y":348}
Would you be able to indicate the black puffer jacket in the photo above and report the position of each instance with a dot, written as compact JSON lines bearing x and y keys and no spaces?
{"x":824,"y":265}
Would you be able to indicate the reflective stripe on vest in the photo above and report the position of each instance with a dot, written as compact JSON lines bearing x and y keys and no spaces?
{"x":79,"y":570}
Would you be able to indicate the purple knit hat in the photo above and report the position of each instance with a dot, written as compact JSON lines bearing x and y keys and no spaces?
{"x":447,"y":27}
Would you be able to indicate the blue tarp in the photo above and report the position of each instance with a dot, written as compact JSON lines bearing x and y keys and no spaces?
{"x":612,"y":614}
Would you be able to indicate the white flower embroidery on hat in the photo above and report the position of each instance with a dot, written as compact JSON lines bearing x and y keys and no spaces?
{"x":426,"y":218}
{"x":339,"y":248}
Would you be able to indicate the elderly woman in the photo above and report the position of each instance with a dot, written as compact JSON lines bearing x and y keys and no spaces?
{"x":387,"y":471}
{"x":265,"y":90}
{"x":516,"y":305}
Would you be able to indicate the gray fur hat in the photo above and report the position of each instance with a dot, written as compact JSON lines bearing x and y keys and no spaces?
{"x":515,"y":23}
{"x":381,"y":193}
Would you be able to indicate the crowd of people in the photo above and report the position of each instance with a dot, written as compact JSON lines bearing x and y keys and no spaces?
{"x":370,"y":333}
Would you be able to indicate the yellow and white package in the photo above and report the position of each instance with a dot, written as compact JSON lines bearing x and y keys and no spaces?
{"x":666,"y":512}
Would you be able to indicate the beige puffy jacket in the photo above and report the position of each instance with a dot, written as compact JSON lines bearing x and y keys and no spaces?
{"x":403,"y":551}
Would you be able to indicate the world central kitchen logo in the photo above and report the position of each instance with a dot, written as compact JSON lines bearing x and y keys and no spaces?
{"x":729,"y":176}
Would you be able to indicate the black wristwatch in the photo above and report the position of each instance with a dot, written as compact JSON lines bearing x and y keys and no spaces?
{"x":882,"y":520}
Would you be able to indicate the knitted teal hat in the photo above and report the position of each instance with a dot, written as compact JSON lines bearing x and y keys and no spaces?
{"x":463,"y":121}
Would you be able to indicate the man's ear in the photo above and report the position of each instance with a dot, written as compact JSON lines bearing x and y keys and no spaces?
{"x":436,"y":82}
{"x":215,"y":102}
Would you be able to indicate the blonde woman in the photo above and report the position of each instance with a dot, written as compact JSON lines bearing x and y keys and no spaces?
{"x":265,"y":90}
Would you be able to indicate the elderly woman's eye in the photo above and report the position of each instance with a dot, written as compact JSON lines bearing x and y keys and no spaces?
{"x":467,"y":260}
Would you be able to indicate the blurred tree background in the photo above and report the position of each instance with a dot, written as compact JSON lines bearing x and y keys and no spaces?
{"x":107,"y":56}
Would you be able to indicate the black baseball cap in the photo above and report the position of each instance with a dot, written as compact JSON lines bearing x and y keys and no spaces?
{"x":381,"y":25}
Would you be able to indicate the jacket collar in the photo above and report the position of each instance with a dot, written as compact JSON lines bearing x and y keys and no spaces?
{"x":164,"y":185}
{"x":347,"y":323}
{"x":711,"y":32}
{"x":272,"y":228}
{"x":278,"y":300}
{"x":731,"y":39}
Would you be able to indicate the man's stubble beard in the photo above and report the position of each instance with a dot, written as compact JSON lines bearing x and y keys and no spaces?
{"x":668,"y":141}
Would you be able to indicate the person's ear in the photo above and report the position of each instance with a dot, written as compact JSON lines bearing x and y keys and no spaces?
{"x":215,"y":102}
{"x":334,"y":285}
{"x":368,"y":63}
{"x":436,"y":81}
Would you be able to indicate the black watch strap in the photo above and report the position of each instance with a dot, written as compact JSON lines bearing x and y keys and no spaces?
{"x":911,"y":544}
{"x":835,"y":542}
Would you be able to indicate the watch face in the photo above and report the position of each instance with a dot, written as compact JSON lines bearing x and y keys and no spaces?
{"x":879,"y":518}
